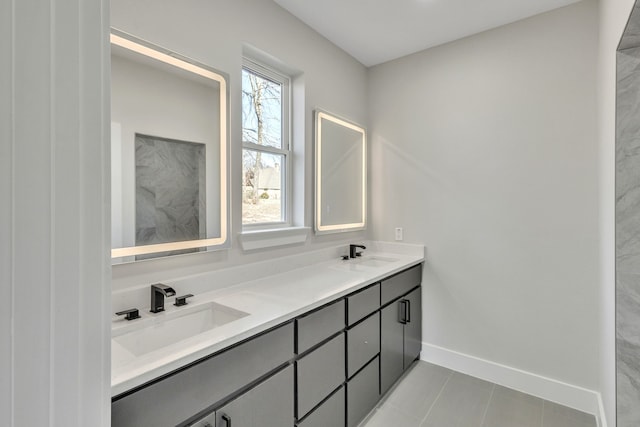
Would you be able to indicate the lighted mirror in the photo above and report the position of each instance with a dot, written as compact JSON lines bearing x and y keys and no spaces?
{"x":168,"y":152}
{"x":341,"y":184}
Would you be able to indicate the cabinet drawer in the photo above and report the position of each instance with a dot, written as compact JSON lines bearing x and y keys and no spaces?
{"x":186,"y":393}
{"x":362,"y":393}
{"x":319,"y":373}
{"x":361,"y":304}
{"x":363,"y":343}
{"x":321,"y":324}
{"x":400,"y":284}
{"x":330,"y":413}
{"x":270,"y":404}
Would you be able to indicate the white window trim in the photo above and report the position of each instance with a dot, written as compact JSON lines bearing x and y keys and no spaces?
{"x":272,"y":74}
{"x":261,"y":238}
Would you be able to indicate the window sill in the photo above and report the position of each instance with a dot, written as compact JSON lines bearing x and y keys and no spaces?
{"x":260,"y":239}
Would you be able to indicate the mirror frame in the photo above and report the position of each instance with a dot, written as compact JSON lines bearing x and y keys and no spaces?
{"x":346,"y":227}
{"x":127,"y":41}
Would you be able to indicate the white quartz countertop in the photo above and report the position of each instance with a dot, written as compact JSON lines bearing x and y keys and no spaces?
{"x":268,"y":301}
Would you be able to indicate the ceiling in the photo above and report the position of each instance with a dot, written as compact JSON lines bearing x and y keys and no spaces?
{"x":376,"y":31}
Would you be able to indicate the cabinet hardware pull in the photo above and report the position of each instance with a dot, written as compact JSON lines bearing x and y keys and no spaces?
{"x":227,"y":419}
{"x":402,"y":311}
{"x":407,"y":316}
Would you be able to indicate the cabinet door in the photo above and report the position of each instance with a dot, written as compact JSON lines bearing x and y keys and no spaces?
{"x":413,"y":327}
{"x":391,"y":345}
{"x":270,"y":404}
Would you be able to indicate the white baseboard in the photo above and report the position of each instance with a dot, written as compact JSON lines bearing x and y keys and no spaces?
{"x":565,"y":394}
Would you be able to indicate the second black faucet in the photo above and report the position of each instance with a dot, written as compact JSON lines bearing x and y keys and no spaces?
{"x":353,"y":250}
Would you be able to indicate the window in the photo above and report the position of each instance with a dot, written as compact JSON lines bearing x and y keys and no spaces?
{"x":265,"y":146}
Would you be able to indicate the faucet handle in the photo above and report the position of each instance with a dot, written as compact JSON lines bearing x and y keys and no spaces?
{"x":180,"y":301}
{"x":130,"y":314}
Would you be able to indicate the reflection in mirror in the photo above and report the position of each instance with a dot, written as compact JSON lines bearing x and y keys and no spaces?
{"x":168,"y":149}
{"x":340,"y":175}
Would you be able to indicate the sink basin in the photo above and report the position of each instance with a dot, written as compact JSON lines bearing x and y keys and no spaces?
{"x":364,"y":263}
{"x":374,"y":261}
{"x":171,"y":327}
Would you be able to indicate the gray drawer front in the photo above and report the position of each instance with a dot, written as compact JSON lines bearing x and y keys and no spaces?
{"x":180,"y":396}
{"x":363,"y":303}
{"x":270,"y":404}
{"x":363,"y":343}
{"x":319,"y":325}
{"x":330,"y":414}
{"x":401,"y":283}
{"x":362,"y":393}
{"x":319,"y":373}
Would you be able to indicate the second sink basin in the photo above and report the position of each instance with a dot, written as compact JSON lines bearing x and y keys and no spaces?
{"x":171,"y":327}
{"x":364,"y":264}
{"x":375,"y":261}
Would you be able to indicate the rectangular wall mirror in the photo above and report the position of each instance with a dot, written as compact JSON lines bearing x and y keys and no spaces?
{"x":341,"y":175}
{"x":168,"y":152}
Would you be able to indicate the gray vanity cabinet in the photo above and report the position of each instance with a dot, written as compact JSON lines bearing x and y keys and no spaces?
{"x":400,"y":337}
{"x":270,"y":404}
{"x":327,"y":368}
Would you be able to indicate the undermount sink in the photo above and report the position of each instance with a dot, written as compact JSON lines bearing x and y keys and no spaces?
{"x":364,"y":263}
{"x":171,"y":327}
{"x":374,"y":261}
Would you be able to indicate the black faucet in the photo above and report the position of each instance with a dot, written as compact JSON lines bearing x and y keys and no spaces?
{"x":158,"y":292}
{"x":352,"y":250}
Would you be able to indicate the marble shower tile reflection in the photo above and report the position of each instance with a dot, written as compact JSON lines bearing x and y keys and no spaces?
{"x":170,"y":190}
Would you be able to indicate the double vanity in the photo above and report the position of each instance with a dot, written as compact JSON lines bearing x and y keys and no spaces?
{"x":311,"y":340}
{"x":314,"y":346}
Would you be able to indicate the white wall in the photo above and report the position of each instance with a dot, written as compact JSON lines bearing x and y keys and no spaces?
{"x":213,"y":33}
{"x":613,"y":16}
{"x":485,"y":150}
{"x":54,"y":229}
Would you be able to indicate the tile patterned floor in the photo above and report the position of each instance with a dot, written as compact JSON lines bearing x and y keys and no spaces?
{"x":432,"y":396}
